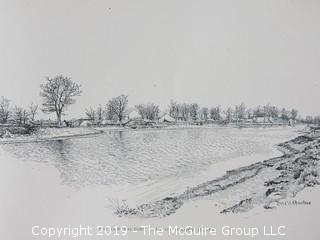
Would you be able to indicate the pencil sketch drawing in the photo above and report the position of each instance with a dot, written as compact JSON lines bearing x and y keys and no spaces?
{"x":163,"y":111}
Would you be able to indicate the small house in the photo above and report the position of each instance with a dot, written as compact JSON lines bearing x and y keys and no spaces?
{"x":134,"y":115}
{"x":167,"y":118}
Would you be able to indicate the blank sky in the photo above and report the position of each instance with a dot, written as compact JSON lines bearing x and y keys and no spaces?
{"x":210,"y":52}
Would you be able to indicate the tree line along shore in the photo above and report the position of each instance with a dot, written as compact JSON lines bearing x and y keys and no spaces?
{"x":59,"y":92}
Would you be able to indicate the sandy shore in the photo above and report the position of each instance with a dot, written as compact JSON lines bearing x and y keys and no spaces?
{"x":265,"y":183}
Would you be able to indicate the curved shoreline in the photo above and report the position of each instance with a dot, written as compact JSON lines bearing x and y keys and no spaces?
{"x":30,"y":139}
{"x":264,"y":183}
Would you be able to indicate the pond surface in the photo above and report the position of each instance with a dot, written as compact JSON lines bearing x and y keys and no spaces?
{"x":81,"y":181}
{"x":133,"y":157}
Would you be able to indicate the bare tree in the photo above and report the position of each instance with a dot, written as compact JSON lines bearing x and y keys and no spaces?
{"x":99,"y":114}
{"x":240,"y":111}
{"x":294,"y":114}
{"x":110,"y":114}
{"x":215,"y":113}
{"x":194,"y":111}
{"x":148,"y":111}
{"x":91,"y":114}
{"x":270,"y":112}
{"x":25,"y":116}
{"x":205,"y":113}
{"x":17,"y":115}
{"x":58,"y":93}
{"x":96,"y":115}
{"x":266,"y":112}
{"x":117,"y":106}
{"x":4,"y":110}
{"x":20,"y":115}
{"x":33,"y":111}
{"x":249,"y":113}
{"x":174,"y":109}
{"x":274,"y":112}
{"x":285,"y":114}
{"x":229,"y":114}
{"x":184,"y":110}
{"x":258,"y":112}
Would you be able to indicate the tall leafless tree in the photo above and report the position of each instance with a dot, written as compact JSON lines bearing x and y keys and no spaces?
{"x":239,"y":111}
{"x":100,"y":113}
{"x":184,"y":110}
{"x":229,"y":114}
{"x":205,"y":113}
{"x":4,"y":110}
{"x":33,"y":110}
{"x":174,"y":109}
{"x":117,"y":107}
{"x":285,"y":114}
{"x":96,"y":115}
{"x":20,"y":115}
{"x":58,"y":93}
{"x":17,"y":115}
{"x":215,"y":113}
{"x":274,"y":112}
{"x":294,"y":114}
{"x":194,"y":111}
{"x":91,"y":114}
{"x":148,"y":111}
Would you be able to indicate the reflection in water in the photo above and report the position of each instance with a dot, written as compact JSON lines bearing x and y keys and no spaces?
{"x":138,"y":156}
{"x":62,"y":160}
{"x":60,"y":147}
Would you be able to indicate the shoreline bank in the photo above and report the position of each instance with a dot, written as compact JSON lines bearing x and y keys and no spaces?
{"x":264,"y":183}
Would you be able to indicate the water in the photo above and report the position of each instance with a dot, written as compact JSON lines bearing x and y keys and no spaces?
{"x":81,"y":180}
{"x":147,"y":157}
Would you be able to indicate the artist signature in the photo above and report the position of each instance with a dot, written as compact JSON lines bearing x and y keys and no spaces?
{"x":294,"y":203}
